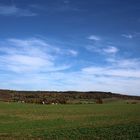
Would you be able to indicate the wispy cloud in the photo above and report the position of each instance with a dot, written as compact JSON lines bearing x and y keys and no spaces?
{"x":119,"y":67}
{"x":73,"y":52}
{"x":94,"y":38}
{"x":125,"y":63}
{"x":113,"y":71}
{"x":121,"y":75}
{"x":111,"y":50}
{"x":29,"y":55}
{"x":34,"y":63}
{"x":106,"y":50}
{"x":129,"y":36}
{"x":89,"y":78}
{"x":12,"y":10}
{"x":101,"y":46}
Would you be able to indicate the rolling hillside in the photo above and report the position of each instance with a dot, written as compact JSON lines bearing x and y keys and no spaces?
{"x":48,"y":97}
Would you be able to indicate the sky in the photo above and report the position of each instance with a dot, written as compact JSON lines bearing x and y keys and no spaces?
{"x":82,"y":45}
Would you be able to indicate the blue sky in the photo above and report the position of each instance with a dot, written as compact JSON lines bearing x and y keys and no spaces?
{"x":70,"y":45}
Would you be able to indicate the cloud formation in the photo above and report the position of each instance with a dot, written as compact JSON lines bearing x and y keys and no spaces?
{"x":113,"y":71}
{"x":34,"y":63}
{"x":29,"y":55}
{"x":73,"y":52}
{"x":129,"y":36}
{"x":111,"y":49}
{"x":94,"y":38}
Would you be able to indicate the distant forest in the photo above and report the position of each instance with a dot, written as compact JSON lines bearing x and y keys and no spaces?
{"x":55,"y":97}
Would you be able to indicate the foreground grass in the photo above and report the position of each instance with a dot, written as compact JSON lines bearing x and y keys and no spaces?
{"x":89,"y":121}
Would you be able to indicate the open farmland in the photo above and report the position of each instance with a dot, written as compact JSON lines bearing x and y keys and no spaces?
{"x":82,"y":121}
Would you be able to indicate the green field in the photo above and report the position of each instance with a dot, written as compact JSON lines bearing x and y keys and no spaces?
{"x":112,"y":121}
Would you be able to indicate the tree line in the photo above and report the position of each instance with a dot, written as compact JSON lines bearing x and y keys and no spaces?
{"x":55,"y":97}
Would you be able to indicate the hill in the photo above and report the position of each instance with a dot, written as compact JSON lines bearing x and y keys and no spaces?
{"x":62,"y":97}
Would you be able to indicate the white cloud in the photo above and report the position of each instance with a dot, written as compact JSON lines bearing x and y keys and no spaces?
{"x":73,"y":52}
{"x":94,"y":38}
{"x":123,"y":68}
{"x":125,"y":63}
{"x":28,"y":42}
{"x":7,"y":10}
{"x":111,"y":71}
{"x":80,"y":80}
{"x":129,"y":36}
{"x":29,"y":55}
{"x":121,"y":76}
{"x":33,"y":64}
{"x":111,"y":50}
{"x":27,"y":63}
{"x":100,"y":46}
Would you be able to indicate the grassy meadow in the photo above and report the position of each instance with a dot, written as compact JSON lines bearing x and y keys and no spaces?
{"x":110,"y":121}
